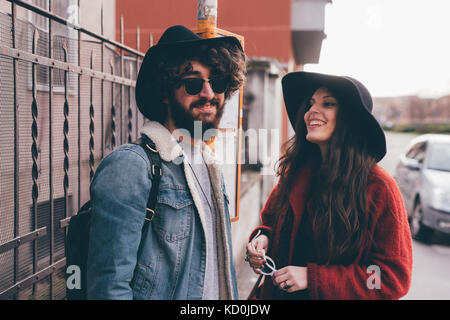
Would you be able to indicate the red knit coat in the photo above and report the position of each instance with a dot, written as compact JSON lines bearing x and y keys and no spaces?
{"x":391,"y":252}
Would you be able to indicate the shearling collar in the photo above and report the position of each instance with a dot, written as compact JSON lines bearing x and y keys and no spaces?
{"x":167,"y":145}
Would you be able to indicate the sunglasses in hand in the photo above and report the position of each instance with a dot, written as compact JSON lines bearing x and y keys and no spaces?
{"x":269,"y":266}
{"x":194,"y":86}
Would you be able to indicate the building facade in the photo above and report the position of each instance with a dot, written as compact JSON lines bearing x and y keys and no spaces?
{"x":412,"y":110}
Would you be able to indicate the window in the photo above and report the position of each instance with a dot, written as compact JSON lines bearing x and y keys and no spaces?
{"x":61,"y":34}
{"x":420,"y":154}
{"x":440,"y":157}
{"x":417,"y":152}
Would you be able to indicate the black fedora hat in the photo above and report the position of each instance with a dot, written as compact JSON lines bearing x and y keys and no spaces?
{"x":174,"y":38}
{"x":298,"y":86}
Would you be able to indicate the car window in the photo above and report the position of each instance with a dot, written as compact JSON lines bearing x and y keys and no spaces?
{"x":411,"y":152}
{"x":417,"y":151}
{"x":420,"y":154}
{"x":440,"y":157}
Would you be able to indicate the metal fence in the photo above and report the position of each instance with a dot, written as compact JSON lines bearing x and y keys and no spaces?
{"x":66,"y":100}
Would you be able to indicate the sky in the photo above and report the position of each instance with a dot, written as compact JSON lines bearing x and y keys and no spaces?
{"x":395,"y":47}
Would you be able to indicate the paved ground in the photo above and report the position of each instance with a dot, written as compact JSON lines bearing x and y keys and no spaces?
{"x":431,"y":266}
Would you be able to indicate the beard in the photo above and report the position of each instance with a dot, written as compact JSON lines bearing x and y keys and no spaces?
{"x":184,"y":119}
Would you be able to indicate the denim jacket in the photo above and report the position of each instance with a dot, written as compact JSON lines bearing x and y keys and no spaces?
{"x":170,"y":264}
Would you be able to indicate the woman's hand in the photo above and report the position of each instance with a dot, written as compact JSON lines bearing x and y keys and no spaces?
{"x":256,"y":250}
{"x":291,"y":278}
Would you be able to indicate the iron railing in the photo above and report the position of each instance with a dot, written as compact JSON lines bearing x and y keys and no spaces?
{"x":56,"y":91}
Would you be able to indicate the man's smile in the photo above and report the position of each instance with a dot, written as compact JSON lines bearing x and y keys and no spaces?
{"x":206,"y":108}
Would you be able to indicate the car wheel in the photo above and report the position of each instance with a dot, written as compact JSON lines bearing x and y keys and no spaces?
{"x":418,"y":230}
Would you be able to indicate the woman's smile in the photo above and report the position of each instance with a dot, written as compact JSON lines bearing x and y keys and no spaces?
{"x":320,"y":119}
{"x":316,"y":123}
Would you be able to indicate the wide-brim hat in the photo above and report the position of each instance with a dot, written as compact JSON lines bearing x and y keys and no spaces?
{"x":298,"y":86}
{"x":174,"y":38}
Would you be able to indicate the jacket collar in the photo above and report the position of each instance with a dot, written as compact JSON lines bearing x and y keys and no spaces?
{"x":167,"y":145}
{"x":300,"y":188}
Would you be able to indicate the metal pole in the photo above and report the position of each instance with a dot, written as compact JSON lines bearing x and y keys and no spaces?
{"x":91,"y":122}
{"x":207,"y":18}
{"x":122,"y":93}
{"x":34,"y":154}
{"x":16,"y":144}
{"x":79,"y":112}
{"x":113,"y":110}
{"x":66,"y":134}
{"x":130,"y":112}
{"x":138,"y":46}
{"x":50,"y":145}
{"x":102,"y":87}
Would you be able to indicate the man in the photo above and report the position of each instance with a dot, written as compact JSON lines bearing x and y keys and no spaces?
{"x":186,"y":253}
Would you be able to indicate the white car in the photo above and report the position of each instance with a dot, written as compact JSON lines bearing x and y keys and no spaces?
{"x":423,"y":176}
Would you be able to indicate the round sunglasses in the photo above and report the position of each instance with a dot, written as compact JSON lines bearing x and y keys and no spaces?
{"x":194,"y":86}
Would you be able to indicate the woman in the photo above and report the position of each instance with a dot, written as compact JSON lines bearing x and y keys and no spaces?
{"x":335,"y":225}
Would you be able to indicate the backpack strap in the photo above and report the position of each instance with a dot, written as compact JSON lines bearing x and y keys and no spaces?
{"x":155,"y":161}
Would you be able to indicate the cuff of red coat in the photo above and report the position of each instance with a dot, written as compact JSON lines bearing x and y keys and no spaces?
{"x":264,"y":230}
{"x":312,"y":280}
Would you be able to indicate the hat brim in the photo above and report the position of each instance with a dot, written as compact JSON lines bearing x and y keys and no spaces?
{"x":150,"y":58}
{"x":298,"y":86}
{"x":230,"y":39}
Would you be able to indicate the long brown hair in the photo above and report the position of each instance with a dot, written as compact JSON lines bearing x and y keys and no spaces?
{"x":337,"y":197}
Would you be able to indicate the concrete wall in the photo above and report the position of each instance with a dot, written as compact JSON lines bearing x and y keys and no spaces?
{"x":264,"y":114}
{"x":263,"y":109}
{"x":249,"y":217}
